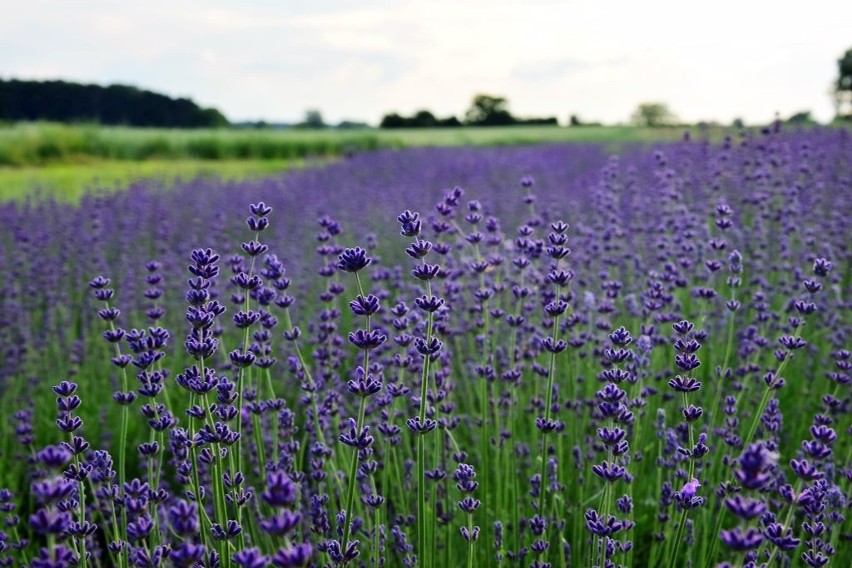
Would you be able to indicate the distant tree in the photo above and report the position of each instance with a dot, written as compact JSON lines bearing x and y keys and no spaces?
{"x":485,"y":110}
{"x":393,"y":120}
{"x":843,"y":87}
{"x":449,"y":122}
{"x":424,"y":119}
{"x":313,"y":119}
{"x":351,"y":125}
{"x":575,"y":121}
{"x":488,"y":110}
{"x":420,"y":119}
{"x":259,"y":124}
{"x":738,"y":123}
{"x":212,"y":117}
{"x":653,"y":114}
{"x":539,"y":121}
{"x":837,"y":99}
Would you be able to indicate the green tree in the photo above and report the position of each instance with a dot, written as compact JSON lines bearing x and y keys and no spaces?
{"x":393,"y":120}
{"x":843,"y":87}
{"x":653,"y":114}
{"x":420,"y":119}
{"x":212,"y":117}
{"x":425,"y":119}
{"x":488,"y":110}
{"x":313,"y":119}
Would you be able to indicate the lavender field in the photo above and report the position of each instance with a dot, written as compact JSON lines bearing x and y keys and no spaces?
{"x":518,"y":356}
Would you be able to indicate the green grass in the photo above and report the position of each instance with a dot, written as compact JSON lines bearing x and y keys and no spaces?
{"x":25,"y":144}
{"x":68,"y":182}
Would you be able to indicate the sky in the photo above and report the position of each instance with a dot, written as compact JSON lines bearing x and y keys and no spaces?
{"x":358,"y":60}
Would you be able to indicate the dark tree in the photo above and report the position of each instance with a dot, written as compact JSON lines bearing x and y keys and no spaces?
{"x":488,"y":110}
{"x":425,"y":119}
{"x":352,"y":125}
{"x":538,"y":121}
{"x":449,"y":122}
{"x":62,"y":101}
{"x":485,"y":110}
{"x":393,"y":120}
{"x":420,"y":119}
{"x":653,"y":114}
{"x":313,"y":119}
{"x":843,"y":87}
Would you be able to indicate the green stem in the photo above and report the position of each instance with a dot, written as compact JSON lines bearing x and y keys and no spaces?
{"x":678,"y":537}
{"x":767,"y":394}
{"x":421,"y":446}
{"x":376,"y":545}
{"x":353,"y":471}
{"x":122,"y":442}
{"x":714,"y":536}
{"x":548,"y":404}
{"x":786,"y":524}
{"x":657,"y":524}
{"x":353,"y":467}
{"x":470,"y":543}
{"x":82,"y":498}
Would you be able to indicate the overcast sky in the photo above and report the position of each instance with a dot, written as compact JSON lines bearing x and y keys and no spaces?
{"x":255,"y":59}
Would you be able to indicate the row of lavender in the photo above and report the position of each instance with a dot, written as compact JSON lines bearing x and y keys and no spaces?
{"x":635,"y":361}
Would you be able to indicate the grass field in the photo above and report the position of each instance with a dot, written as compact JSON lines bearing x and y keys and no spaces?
{"x":44,"y":143}
{"x":63,"y":161}
{"x":68,"y":182}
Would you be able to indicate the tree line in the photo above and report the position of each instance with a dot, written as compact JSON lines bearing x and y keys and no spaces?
{"x":62,"y":101}
{"x":485,"y":110}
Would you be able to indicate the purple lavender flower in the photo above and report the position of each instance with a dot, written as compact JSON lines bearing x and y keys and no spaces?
{"x":353,"y":260}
